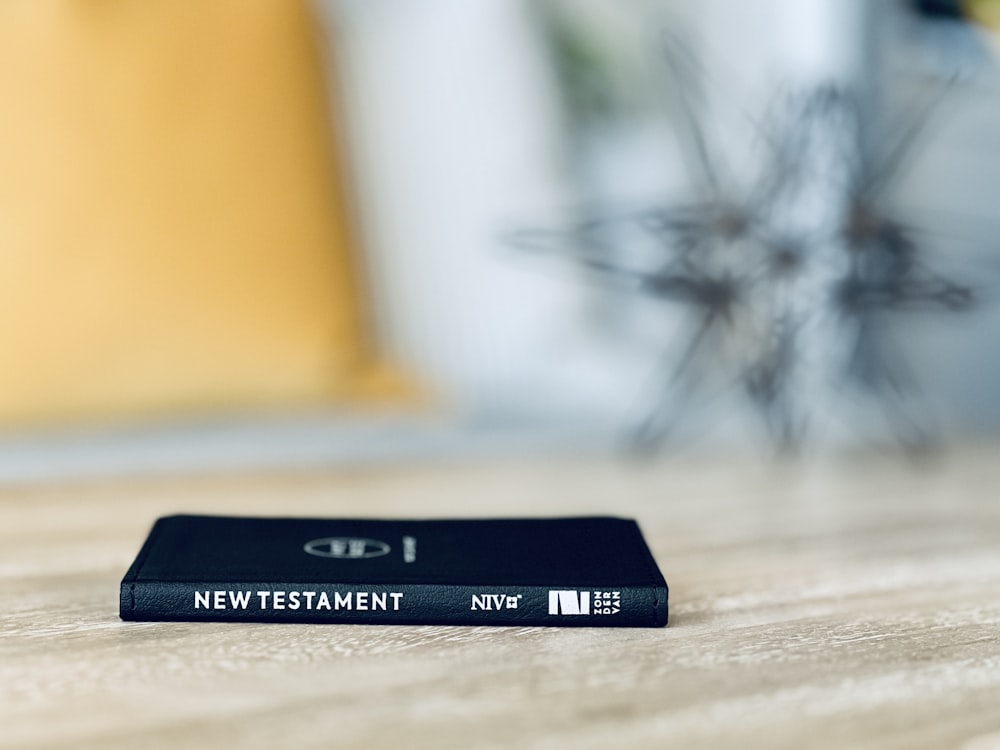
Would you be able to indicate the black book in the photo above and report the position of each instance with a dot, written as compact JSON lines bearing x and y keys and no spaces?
{"x":551,"y":571}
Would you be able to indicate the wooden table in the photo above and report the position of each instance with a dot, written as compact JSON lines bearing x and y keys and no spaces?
{"x":852,"y":604}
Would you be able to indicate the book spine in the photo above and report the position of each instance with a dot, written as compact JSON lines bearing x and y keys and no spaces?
{"x":425,"y":604}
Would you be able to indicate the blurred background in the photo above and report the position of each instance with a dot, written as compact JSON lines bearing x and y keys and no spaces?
{"x":287,"y":234}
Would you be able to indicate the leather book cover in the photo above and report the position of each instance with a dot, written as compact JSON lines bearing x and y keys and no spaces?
{"x":592,"y":571}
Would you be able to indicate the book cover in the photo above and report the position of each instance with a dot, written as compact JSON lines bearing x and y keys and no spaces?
{"x":591,"y":571}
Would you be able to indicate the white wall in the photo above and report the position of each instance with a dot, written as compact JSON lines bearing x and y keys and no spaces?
{"x":454,"y":126}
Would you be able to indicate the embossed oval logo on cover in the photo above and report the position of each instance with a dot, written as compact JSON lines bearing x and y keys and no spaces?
{"x":347,"y":548}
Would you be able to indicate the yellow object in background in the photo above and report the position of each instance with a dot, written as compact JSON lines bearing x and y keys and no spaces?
{"x":172,"y":224}
{"x":986,"y":12}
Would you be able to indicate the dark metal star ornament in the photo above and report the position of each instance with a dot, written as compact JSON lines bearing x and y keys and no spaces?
{"x":791,"y":283}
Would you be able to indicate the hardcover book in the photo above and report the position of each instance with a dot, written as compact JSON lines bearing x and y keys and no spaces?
{"x":594,"y":571}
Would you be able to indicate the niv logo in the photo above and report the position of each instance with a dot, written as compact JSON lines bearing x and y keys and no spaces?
{"x":491,"y":602}
{"x":569,"y":602}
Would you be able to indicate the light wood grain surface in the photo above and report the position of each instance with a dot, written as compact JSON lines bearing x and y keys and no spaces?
{"x":854,"y":604}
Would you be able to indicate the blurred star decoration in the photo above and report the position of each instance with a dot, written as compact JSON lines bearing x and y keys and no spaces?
{"x":791,"y":278}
